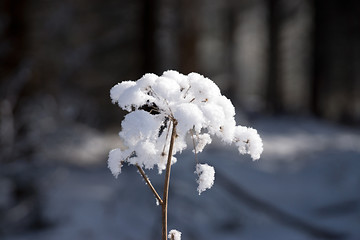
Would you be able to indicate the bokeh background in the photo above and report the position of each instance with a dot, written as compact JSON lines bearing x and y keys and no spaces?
{"x":291,"y":68}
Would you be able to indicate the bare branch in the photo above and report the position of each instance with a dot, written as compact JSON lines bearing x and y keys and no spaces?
{"x":149,"y":184}
{"x":167,"y":181}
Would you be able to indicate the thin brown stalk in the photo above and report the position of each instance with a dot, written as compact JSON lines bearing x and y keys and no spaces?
{"x":167,"y":181}
{"x":149,"y":184}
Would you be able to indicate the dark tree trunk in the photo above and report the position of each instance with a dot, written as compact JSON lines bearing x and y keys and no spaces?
{"x":13,"y":36}
{"x":230,"y":42}
{"x":274,"y":97}
{"x":320,"y":58}
{"x":149,"y":22}
{"x":336,"y":51}
{"x":188,"y":35}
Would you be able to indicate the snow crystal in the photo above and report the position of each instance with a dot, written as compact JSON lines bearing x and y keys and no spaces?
{"x":174,"y":235}
{"x":206,"y":176}
{"x":193,"y":101}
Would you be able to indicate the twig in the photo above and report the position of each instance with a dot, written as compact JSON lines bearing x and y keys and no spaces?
{"x":187,"y":91}
{"x":149,"y":184}
{"x":167,"y":181}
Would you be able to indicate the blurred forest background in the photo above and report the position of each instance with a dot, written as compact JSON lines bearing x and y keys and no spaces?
{"x":59,"y":59}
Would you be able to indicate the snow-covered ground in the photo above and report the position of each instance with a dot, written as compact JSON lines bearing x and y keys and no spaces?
{"x":305,"y":186}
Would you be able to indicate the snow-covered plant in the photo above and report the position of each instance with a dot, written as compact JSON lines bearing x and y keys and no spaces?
{"x":174,"y":235}
{"x":163,"y":111}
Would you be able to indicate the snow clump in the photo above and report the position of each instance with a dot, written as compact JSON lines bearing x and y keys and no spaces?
{"x":194,"y":102}
{"x":206,"y":176}
{"x":174,"y":235}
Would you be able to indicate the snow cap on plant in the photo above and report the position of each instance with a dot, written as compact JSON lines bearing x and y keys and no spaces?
{"x":197,"y":105}
{"x":206,"y":176}
{"x":174,"y":235}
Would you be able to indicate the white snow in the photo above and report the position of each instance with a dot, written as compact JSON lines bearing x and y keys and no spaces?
{"x":248,"y":141}
{"x":193,"y":101}
{"x":206,"y":177}
{"x":202,"y":141}
{"x":114,"y":162}
{"x":188,"y":116}
{"x":139,"y":126}
{"x":174,"y":235}
{"x":118,"y":90}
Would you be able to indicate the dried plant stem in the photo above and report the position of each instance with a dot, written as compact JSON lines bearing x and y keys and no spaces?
{"x":149,"y":184}
{"x":167,"y":181}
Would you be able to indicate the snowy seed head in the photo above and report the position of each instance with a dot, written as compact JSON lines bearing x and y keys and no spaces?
{"x":155,"y":102}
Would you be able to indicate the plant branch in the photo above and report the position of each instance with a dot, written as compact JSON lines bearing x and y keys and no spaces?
{"x":149,"y":184}
{"x":167,"y":181}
